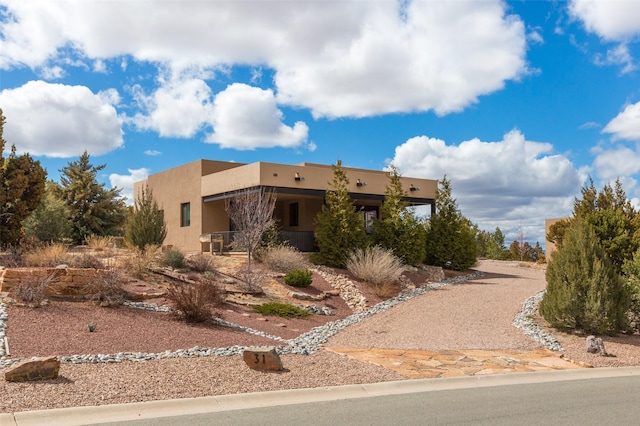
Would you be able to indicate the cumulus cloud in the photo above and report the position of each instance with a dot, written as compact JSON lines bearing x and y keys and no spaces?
{"x":509,"y":183}
{"x":620,"y":161}
{"x":57,"y":120}
{"x":125,"y":182}
{"x":351,"y":59}
{"x":625,"y":125}
{"x":177,"y":108}
{"x":437,"y":56}
{"x":246,"y":117}
{"x":611,"y":20}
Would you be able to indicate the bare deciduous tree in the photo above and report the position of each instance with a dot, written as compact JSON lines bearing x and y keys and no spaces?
{"x":251,"y":212}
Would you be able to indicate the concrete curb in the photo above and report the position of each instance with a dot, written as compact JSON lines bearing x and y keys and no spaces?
{"x":178,"y":407}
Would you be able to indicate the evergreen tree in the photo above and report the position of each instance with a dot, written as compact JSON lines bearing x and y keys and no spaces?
{"x":94,"y":209}
{"x":398,"y":229}
{"x":146,"y":225}
{"x":583,"y":289}
{"x":50,"y":221}
{"x":496,"y":248}
{"x":339,"y":227}
{"x":22,"y":183}
{"x":451,"y":240}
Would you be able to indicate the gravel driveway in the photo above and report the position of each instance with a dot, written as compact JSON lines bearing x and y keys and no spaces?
{"x":476,"y":314}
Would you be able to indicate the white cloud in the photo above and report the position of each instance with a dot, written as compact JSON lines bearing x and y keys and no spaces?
{"x":441,"y":57}
{"x":125,"y":182}
{"x":509,"y":183}
{"x":610,"y":164}
{"x":611,"y":20}
{"x":246,"y":117}
{"x":626,"y":125}
{"x":152,"y":152}
{"x":619,"y":55}
{"x":177,"y":109}
{"x":56,"y":120}
{"x":350,"y":59}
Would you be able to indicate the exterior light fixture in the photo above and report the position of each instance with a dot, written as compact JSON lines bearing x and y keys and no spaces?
{"x":413,"y":188}
{"x":360,"y":183}
{"x":297,"y":177}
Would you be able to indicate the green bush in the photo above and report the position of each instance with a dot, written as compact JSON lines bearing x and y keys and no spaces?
{"x":283,"y":310}
{"x":583,"y":289}
{"x":299,"y":278}
{"x":174,"y":259}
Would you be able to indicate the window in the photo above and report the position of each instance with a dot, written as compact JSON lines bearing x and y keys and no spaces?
{"x":185,"y":214}
{"x":293,"y":214}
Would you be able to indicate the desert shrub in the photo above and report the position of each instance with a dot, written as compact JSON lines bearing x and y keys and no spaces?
{"x":31,"y":288}
{"x":106,"y":289}
{"x":584,"y":291}
{"x":375,"y":265}
{"x":139,"y":262}
{"x":283,"y":310}
{"x":98,"y":243}
{"x":386,"y":290}
{"x":174,"y":259}
{"x":195,"y":302}
{"x":284,"y":259}
{"x":86,"y":260}
{"x":299,"y":278}
{"x":49,"y":255}
{"x":201,"y":263}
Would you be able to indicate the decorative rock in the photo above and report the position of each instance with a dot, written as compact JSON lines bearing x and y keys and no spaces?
{"x":595,"y":345}
{"x":262,"y":359}
{"x":35,"y":369}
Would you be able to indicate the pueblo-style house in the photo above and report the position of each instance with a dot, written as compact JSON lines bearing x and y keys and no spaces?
{"x":193,"y":196}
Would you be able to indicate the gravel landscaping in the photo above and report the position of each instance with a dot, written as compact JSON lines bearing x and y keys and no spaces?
{"x":492,"y":311}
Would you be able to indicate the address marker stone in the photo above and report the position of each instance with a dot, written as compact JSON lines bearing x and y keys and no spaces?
{"x":262,"y":359}
{"x":35,"y":369}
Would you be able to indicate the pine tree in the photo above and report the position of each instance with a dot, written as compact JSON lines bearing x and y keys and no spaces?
{"x":583,"y":289}
{"x":94,"y":209}
{"x":146,"y":224}
{"x":398,"y":229}
{"x":339,"y":227}
{"x":451,"y":240}
{"x":22,"y":183}
{"x":496,"y":248}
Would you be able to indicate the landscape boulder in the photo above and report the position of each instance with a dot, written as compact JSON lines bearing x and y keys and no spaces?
{"x":258,"y":358}
{"x":33,"y":369}
{"x":595,"y":345}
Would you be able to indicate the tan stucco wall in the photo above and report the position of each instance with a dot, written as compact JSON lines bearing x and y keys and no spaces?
{"x":194,"y":181}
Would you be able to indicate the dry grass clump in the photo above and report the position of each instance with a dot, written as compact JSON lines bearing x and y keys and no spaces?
{"x":31,"y":288}
{"x":139,"y":262}
{"x":86,"y":260}
{"x":106,"y":289}
{"x":49,"y":255}
{"x":375,"y":265}
{"x":195,"y":301}
{"x":284,"y":259}
{"x":201,"y":263}
{"x":98,"y":243}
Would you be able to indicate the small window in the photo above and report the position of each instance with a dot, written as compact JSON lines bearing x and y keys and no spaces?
{"x":185,"y":214}
{"x":293,"y":214}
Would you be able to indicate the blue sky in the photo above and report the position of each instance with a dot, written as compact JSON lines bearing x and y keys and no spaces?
{"x":518,"y":102}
